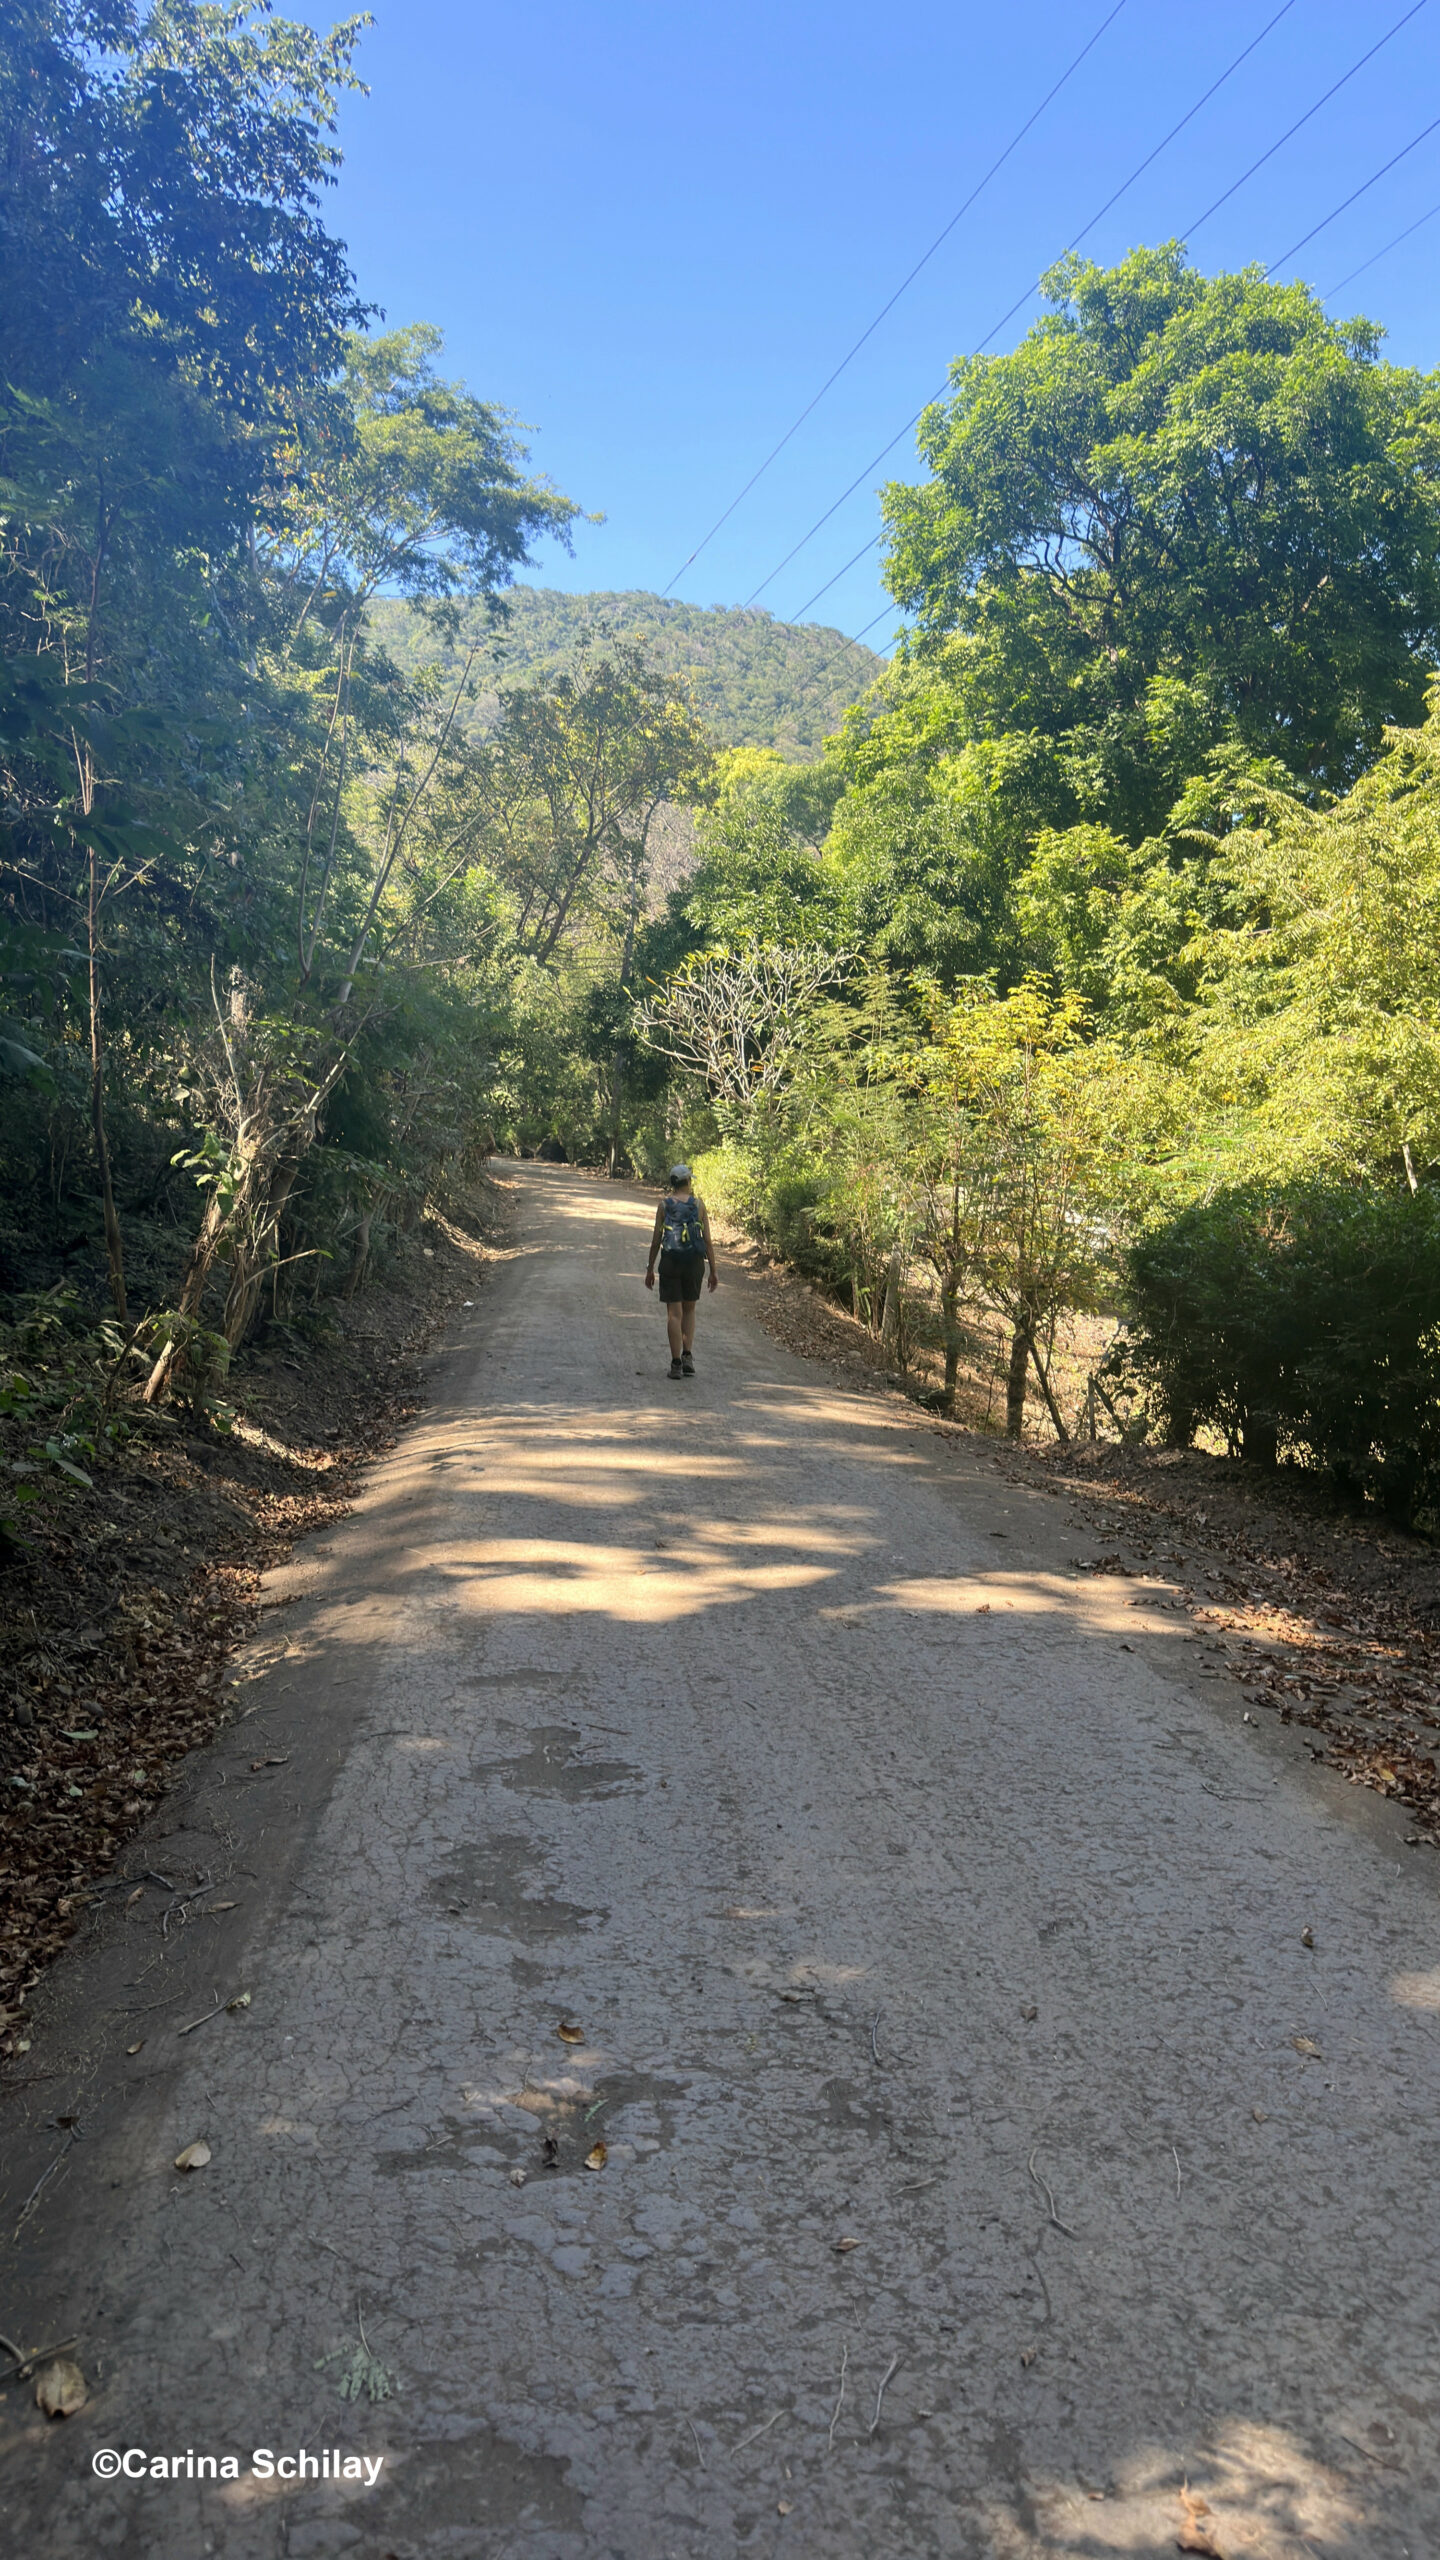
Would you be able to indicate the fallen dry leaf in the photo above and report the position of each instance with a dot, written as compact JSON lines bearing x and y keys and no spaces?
{"x":596,"y":2156}
{"x":196,"y":2155}
{"x":136,"y":2048}
{"x":60,"y":2389}
{"x":170,"y":1700}
{"x":1195,"y":2535}
{"x":1260,"y":2115}
{"x":1307,"y":2046}
{"x":1307,"y":1937}
{"x":240,"y":2001}
{"x":783,"y":2506}
{"x":1030,"y":2014}
{"x":1028,"y":2356}
{"x":849,"y":2242}
{"x":224,"y":1906}
{"x":569,"y":2033}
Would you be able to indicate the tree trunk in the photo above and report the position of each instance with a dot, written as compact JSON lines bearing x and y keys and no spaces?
{"x":617,"y":1106}
{"x":1062,"y":1428}
{"x":192,"y":1291}
{"x":361,"y":1255}
{"x":890,"y":1319}
{"x":949,"y":1314}
{"x":114,"y":1241}
{"x":1015,"y":1382}
{"x":1260,"y":1440}
{"x":252,"y":1260}
{"x":619,"y":1055}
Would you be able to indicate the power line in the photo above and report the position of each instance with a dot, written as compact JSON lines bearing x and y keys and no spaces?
{"x":1291,"y":130}
{"x":1189,"y":115}
{"x":870,"y":625}
{"x":1283,"y":260}
{"x":1137,"y":172}
{"x":872,"y":545}
{"x":1373,"y":181}
{"x":1090,"y":226}
{"x":1365,"y":263}
{"x":886,"y":308}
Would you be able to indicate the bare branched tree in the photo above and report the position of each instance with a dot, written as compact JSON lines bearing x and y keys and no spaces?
{"x":732,"y":1017}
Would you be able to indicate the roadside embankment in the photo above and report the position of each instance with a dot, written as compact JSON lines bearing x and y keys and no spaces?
{"x":121,"y":1601}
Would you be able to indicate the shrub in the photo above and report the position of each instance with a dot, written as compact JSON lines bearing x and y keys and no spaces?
{"x":1306,"y":1317}
{"x":779,"y":1195}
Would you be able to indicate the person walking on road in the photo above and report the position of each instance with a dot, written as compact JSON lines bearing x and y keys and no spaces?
{"x":681,"y":1238}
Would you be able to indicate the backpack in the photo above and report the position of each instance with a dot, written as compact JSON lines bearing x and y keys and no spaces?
{"x":683,"y":1230}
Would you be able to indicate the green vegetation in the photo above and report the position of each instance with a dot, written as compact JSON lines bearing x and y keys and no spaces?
{"x":1304,"y":1312}
{"x":285,"y":938}
{"x":1133,"y":855}
{"x":756,"y":682}
{"x":1082,"y":962}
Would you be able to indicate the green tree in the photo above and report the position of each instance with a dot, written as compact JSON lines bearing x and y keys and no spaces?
{"x":416,"y":487}
{"x":259,"y":836}
{"x":1010,"y":1154}
{"x":1314,"y":1042}
{"x":1184,"y":510}
{"x":572,"y":782}
{"x":167,"y":287}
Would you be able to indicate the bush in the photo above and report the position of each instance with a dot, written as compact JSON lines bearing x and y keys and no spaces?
{"x":1305,"y":1318}
{"x":775,"y":1194}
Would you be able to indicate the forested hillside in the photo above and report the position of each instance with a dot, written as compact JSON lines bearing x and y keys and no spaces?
{"x":756,"y":682}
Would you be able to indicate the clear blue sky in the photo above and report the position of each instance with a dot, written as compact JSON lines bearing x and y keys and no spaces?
{"x":651,"y":231}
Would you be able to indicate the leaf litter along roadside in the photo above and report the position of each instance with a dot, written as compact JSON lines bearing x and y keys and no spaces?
{"x":1324,"y":1614}
{"x":1327,"y":1614}
{"x":118,"y":1618}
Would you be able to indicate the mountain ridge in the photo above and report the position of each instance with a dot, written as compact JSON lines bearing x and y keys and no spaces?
{"x":757,"y":681}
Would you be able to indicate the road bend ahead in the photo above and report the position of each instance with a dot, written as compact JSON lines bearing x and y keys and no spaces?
{"x":778,"y":2022}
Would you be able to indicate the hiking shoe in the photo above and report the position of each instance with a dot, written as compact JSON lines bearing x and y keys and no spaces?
{"x":676,"y":1370}
{"x":687,"y":1365}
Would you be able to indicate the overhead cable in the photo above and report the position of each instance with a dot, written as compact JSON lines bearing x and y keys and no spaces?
{"x":1239,"y":182}
{"x":883,"y":313}
{"x":870,"y":625}
{"x":1372,"y":181}
{"x":1189,"y":114}
{"x":1137,"y":172}
{"x":1283,"y":260}
{"x":1291,"y":130}
{"x":1373,"y":261}
{"x":872,"y":545}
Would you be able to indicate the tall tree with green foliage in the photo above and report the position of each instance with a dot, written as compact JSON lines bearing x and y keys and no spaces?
{"x":218,"y":791}
{"x":1185,"y":509}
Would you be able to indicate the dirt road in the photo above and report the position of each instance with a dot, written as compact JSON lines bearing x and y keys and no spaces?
{"x":992,"y":2166}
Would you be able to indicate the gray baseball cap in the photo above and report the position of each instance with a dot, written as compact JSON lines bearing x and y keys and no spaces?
{"x":679,"y":1173}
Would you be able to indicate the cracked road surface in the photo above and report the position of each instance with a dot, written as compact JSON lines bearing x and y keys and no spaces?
{"x":990,"y":2168}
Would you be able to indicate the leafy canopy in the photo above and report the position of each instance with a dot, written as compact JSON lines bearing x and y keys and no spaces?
{"x":1184,"y":509}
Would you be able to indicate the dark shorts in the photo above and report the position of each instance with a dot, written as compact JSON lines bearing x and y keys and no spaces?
{"x":681,"y":1278}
